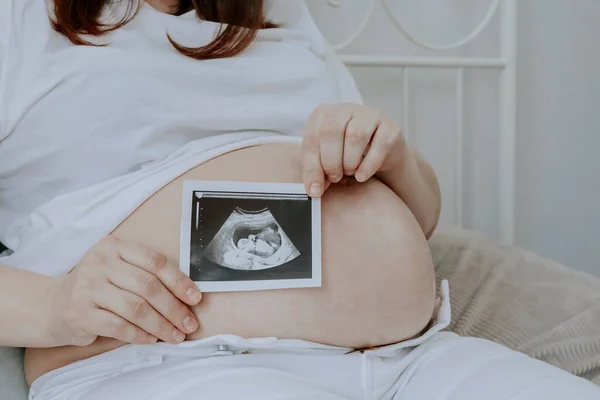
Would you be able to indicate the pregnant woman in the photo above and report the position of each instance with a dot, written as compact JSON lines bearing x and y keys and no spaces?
{"x":106,"y":107}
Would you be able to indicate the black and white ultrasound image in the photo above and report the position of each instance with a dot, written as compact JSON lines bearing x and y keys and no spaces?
{"x":247,"y":237}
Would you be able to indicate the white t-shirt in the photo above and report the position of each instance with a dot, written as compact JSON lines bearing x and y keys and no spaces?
{"x":88,"y":133}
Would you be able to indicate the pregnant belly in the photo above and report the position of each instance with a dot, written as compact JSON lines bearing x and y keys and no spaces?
{"x":378,"y":281}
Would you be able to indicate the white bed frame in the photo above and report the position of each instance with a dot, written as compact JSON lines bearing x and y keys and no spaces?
{"x":505,"y":62}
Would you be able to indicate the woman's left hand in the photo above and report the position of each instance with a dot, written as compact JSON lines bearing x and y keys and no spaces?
{"x":348,"y":140}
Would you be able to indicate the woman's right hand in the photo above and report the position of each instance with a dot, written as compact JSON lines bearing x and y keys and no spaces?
{"x":124,"y":291}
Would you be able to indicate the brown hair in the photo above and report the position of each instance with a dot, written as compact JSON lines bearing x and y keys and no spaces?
{"x":241,"y":22}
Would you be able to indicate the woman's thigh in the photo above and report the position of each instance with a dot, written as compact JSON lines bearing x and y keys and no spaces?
{"x":474,"y":369}
{"x":444,"y":367}
{"x":249,"y":377}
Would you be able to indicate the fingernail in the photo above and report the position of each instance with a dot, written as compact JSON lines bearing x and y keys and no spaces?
{"x":335,"y":178}
{"x":360,"y":177}
{"x":194,"y":295}
{"x":152,"y":339}
{"x":190,"y":324}
{"x":178,"y":336}
{"x":315,"y":189}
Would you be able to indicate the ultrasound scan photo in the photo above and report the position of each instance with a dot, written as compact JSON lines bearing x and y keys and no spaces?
{"x":244,"y":236}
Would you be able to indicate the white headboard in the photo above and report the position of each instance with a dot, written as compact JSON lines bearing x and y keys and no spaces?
{"x":443,"y":56}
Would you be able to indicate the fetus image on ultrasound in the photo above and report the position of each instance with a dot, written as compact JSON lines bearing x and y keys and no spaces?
{"x":244,"y":236}
{"x":251,"y":240}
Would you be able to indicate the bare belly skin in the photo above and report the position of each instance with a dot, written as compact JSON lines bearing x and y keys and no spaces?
{"x":378,"y":279}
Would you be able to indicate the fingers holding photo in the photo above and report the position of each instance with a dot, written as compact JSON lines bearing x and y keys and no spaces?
{"x":158,"y":266}
{"x":133,"y":288}
{"x":358,"y":136}
{"x":313,"y":174}
{"x":347,"y":140}
{"x":330,"y":133}
{"x":385,"y":151}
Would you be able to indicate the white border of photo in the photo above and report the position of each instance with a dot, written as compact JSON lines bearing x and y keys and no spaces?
{"x":191,"y":186}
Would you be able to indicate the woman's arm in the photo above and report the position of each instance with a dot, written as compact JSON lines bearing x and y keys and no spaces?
{"x":416,"y":183}
{"x":24,"y":309}
{"x":119,"y":290}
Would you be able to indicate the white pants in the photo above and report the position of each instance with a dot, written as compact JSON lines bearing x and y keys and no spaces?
{"x":436,"y":365}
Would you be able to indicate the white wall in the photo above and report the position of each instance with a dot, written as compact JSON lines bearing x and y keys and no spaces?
{"x":558,"y":170}
{"x":559,"y":128}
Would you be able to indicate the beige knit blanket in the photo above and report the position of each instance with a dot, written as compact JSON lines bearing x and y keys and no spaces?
{"x":520,"y":300}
